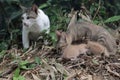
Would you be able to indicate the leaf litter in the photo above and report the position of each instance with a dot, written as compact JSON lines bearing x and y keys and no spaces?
{"x":44,"y":64}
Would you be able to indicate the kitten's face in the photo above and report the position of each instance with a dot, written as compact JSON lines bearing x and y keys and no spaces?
{"x":63,"y":39}
{"x":62,"y":42}
{"x":29,"y":16}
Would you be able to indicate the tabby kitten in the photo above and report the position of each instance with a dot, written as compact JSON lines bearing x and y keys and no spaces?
{"x":77,"y":30}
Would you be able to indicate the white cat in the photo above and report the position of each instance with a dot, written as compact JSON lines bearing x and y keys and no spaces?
{"x":34,"y":21}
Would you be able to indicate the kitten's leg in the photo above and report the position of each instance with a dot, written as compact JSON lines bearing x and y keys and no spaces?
{"x":25,"y":39}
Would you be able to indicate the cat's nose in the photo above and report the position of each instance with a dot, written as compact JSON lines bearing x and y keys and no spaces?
{"x":25,"y":24}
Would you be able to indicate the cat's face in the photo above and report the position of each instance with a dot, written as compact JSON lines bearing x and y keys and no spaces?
{"x":63,"y":39}
{"x":29,"y":16}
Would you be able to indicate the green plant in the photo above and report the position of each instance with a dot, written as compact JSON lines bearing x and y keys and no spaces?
{"x":2,"y":53}
{"x":17,"y":75}
{"x":10,"y":21}
{"x":24,"y":65}
{"x":112,"y":19}
{"x":102,"y":11}
{"x":38,"y":61}
{"x":21,"y":65}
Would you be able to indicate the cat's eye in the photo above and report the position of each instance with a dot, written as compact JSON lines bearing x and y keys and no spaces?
{"x":22,"y":17}
{"x":119,"y":31}
{"x":28,"y":17}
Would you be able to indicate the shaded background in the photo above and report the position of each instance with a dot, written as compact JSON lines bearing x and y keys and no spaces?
{"x":57,"y":10}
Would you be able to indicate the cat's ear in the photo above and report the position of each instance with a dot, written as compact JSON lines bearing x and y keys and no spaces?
{"x":68,"y":39}
{"x":58,"y":34}
{"x":23,"y":8}
{"x":35,"y":8}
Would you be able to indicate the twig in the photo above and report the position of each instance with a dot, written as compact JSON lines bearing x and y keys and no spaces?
{"x":97,"y":9}
{"x":112,"y":72}
{"x":73,"y":75}
{"x":115,"y":64}
{"x":75,"y":65}
{"x":84,"y":13}
{"x":9,"y":71}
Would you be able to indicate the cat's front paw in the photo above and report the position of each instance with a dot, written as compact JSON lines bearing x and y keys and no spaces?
{"x":26,"y":46}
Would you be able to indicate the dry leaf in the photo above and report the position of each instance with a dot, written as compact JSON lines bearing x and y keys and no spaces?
{"x":35,"y":77}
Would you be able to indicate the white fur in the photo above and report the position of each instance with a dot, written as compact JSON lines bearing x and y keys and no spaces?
{"x":34,"y":25}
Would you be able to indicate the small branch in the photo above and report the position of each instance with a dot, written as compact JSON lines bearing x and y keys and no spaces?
{"x":112,"y":72}
{"x":8,"y":71}
{"x":97,"y":9}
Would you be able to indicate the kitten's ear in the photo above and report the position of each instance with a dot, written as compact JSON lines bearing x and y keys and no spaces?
{"x":58,"y":34}
{"x":23,"y":8}
{"x":71,"y":13}
{"x":68,"y":38}
{"x":118,"y":31}
{"x":35,"y":8}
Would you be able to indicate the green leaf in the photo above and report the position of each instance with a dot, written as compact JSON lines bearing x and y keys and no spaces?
{"x":21,"y":78}
{"x":31,"y":66}
{"x":96,"y":21}
{"x":3,"y":46}
{"x":95,"y":62}
{"x":24,"y":67}
{"x":16,"y":73}
{"x":15,"y":31}
{"x":43,"y":6}
{"x":22,"y":63}
{"x":37,"y":60}
{"x":2,"y":53}
{"x":112,"y":19}
{"x":53,"y":36}
{"x":15,"y":78}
